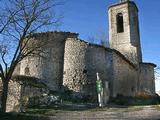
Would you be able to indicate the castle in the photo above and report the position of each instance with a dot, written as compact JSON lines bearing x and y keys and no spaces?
{"x":73,"y":63}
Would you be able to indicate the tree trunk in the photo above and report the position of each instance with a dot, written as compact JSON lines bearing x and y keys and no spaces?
{"x":4,"y":95}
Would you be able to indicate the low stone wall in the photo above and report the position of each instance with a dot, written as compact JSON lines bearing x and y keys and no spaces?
{"x":14,"y":94}
{"x":18,"y":94}
{"x":32,"y":96}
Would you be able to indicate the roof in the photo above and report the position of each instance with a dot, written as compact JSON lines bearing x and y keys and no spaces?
{"x":152,"y":64}
{"x":69,"y":34}
{"x":121,"y":3}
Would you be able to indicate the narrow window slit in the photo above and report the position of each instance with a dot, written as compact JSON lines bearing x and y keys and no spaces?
{"x":120,"y":23}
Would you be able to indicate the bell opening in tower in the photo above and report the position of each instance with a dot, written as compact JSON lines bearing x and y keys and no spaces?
{"x":120,"y":26}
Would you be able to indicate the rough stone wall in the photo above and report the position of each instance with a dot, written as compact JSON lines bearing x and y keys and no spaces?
{"x":82,"y":61}
{"x":147,"y":78}
{"x":127,"y":42}
{"x":134,"y":30}
{"x":99,"y":59}
{"x":17,"y":70}
{"x":14,"y":93}
{"x":48,"y":68}
{"x":33,"y":96}
{"x":125,"y":77}
{"x":75,"y":65}
{"x":114,"y":38}
{"x":17,"y":92}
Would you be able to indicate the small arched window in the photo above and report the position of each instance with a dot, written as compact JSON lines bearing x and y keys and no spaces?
{"x":120,"y":26}
{"x":27,"y":71}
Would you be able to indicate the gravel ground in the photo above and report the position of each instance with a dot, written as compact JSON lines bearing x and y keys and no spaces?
{"x":146,"y":113}
{"x":110,"y":113}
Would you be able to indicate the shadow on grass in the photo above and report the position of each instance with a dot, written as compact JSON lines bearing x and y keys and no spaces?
{"x":18,"y":116}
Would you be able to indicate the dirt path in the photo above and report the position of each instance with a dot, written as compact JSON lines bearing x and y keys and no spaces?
{"x":146,"y":113}
{"x":111,"y":113}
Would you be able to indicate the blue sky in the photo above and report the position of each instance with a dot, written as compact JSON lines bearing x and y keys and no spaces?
{"x":87,"y":17}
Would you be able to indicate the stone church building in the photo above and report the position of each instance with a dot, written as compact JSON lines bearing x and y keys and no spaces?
{"x":72,"y":63}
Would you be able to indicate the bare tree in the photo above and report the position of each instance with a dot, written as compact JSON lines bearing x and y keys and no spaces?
{"x":91,"y":39}
{"x":99,"y":38}
{"x":157,"y":73}
{"x":102,"y":36}
{"x":19,"y":20}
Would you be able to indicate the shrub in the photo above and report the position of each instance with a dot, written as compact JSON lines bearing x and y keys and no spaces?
{"x":70,"y":96}
{"x":29,"y":81}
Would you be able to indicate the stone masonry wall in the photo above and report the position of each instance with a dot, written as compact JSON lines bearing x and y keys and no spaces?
{"x":17,"y":93}
{"x":125,"y":77}
{"x":82,"y":61}
{"x":114,"y":37}
{"x":48,"y":68}
{"x":74,"y":76}
{"x":14,"y":93}
{"x":127,"y":42}
{"x":99,"y":59}
{"x":147,"y":78}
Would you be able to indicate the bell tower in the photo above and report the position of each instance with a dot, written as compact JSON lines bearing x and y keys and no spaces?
{"x":124,"y":30}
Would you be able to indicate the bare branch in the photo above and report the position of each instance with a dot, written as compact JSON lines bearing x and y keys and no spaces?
{"x":2,"y":72}
{"x":20,"y":20}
